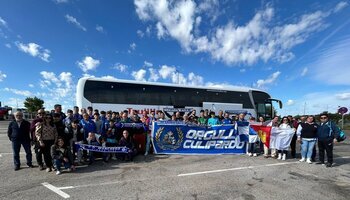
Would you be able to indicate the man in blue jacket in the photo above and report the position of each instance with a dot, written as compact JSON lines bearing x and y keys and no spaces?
{"x":19,"y":134}
{"x":326,"y":132}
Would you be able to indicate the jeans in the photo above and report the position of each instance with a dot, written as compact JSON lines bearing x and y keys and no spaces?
{"x":148,"y":143}
{"x":59,"y":162}
{"x":77,"y":151}
{"x":16,"y":147}
{"x":307,"y":147}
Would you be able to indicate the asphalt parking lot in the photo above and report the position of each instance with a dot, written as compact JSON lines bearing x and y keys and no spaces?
{"x":179,"y":177}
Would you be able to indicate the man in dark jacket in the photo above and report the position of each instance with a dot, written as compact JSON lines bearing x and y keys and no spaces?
{"x":19,"y":134}
{"x":326,"y":133}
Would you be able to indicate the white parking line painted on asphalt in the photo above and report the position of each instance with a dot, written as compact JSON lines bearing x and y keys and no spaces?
{"x":56,"y":190}
{"x":64,"y":188}
{"x":248,"y":167}
{"x":236,"y":168}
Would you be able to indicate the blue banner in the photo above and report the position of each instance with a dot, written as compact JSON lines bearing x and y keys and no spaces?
{"x":102,"y":149}
{"x":170,"y":138}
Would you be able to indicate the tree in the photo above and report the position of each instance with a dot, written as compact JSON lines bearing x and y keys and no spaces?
{"x":33,"y":104}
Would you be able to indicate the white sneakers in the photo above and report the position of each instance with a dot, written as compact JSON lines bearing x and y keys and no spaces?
{"x":250,"y":154}
{"x":58,"y":172}
{"x":255,"y":154}
{"x":284,"y":156}
{"x":48,"y":169}
{"x":307,"y":160}
{"x":279,"y":156}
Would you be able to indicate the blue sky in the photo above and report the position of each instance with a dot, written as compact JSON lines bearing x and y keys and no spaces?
{"x":298,"y":51}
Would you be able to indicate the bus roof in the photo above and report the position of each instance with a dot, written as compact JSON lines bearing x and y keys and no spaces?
{"x":217,"y":87}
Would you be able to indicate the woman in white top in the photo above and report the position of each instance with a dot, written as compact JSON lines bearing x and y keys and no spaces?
{"x":282,"y":153}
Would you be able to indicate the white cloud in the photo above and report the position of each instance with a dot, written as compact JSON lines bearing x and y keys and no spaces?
{"x":140,"y":33}
{"x":174,"y":19}
{"x":194,"y":79}
{"x":154,"y":76}
{"x":57,"y":88}
{"x":88,"y":63}
{"x":169,"y":73}
{"x":8,"y":45}
{"x":161,"y":32}
{"x":109,"y":77}
{"x":66,"y":78}
{"x":340,"y":6}
{"x":316,"y":103}
{"x":2,"y":76}
{"x":120,"y":67}
{"x":270,"y":80}
{"x":73,"y":20}
{"x":166,"y":71}
{"x":3,"y":22}
{"x":211,"y":8}
{"x":61,"y":1}
{"x":14,"y":102}
{"x":304,"y":72}
{"x":148,"y":30}
{"x":261,"y":38}
{"x":148,"y":64}
{"x":221,"y":85}
{"x":332,"y":67}
{"x":139,"y":75}
{"x":86,"y":75}
{"x":343,"y":96}
{"x":100,"y":29}
{"x":290,"y":102}
{"x":31,"y":85}
{"x":178,"y":78}
{"x":49,"y":77}
{"x":34,"y":50}
{"x":25,"y":93}
{"x":133,"y":46}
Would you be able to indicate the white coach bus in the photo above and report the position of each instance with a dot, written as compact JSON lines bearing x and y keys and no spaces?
{"x":118,"y":95}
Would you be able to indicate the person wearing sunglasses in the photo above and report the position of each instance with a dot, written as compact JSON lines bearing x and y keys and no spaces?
{"x":326,"y":132}
{"x":46,"y":134}
{"x":35,"y":123}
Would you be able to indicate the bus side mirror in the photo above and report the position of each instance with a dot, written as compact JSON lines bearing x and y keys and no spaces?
{"x":280,"y":104}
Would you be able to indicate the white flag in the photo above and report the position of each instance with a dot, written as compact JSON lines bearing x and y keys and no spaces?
{"x":281,"y":137}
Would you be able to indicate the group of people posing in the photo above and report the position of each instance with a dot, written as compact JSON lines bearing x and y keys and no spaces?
{"x":308,"y":133}
{"x":54,"y":135}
